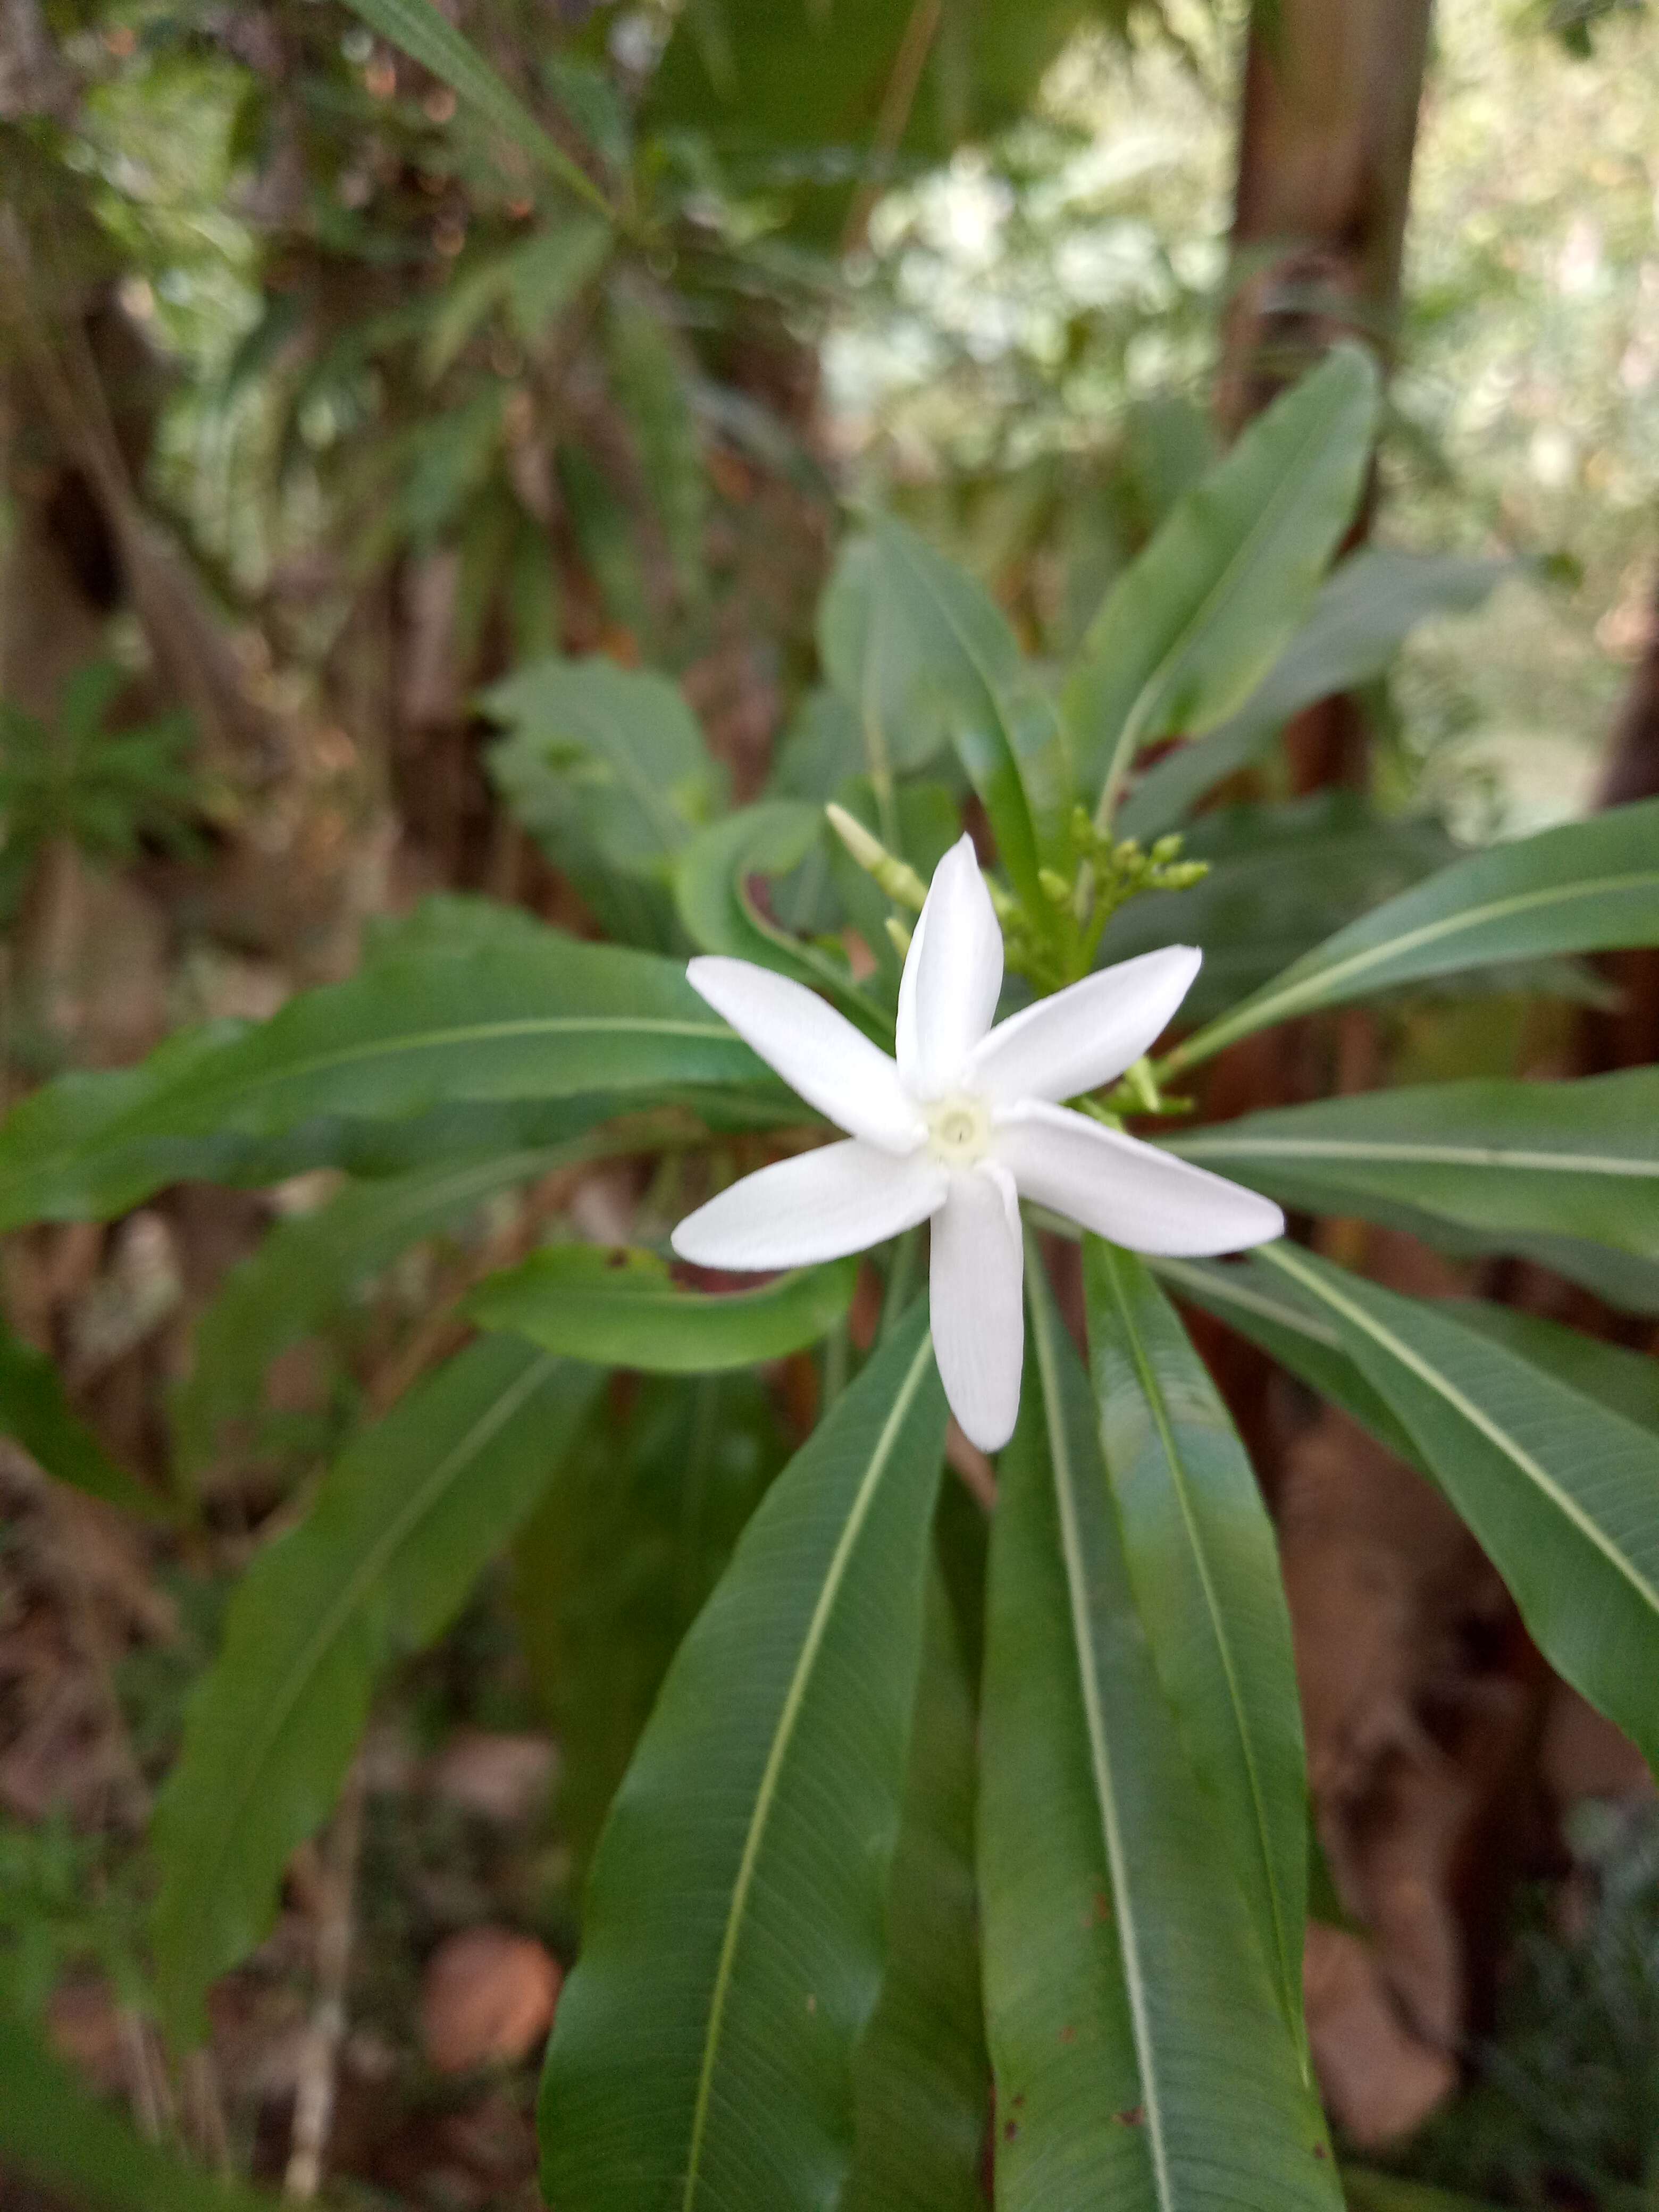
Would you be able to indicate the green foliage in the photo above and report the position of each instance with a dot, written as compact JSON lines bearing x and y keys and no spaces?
{"x":921,"y":2081}
{"x":1189,"y":631}
{"x":103,"y":791}
{"x":620,"y":1309}
{"x":1500,"y":1161}
{"x":1577,"y":889}
{"x":703,"y":2047}
{"x":1557,"y":1488}
{"x":1204,"y":1568}
{"x":35,"y":1412}
{"x":402,"y":1526}
{"x":619,"y":1558}
{"x":1135,"y":2028}
{"x":53,"y":2133}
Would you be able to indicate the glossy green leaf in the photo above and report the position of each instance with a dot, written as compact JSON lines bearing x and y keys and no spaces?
{"x":1626,"y":1382}
{"x":921,"y":2080}
{"x":306,"y":1271}
{"x":432,"y":39}
{"x":961,"y":670}
{"x":1500,"y":1159}
{"x":1363,"y":613}
{"x":53,"y":2133}
{"x":1141,"y":2058}
{"x":623,"y":1308}
{"x":1265,"y":1308}
{"x":731,"y":1955}
{"x":403,"y":1523}
{"x":35,"y":1413}
{"x":465,"y":1004}
{"x":1559,"y":1491}
{"x":1203,"y":1563}
{"x":1196,"y":621}
{"x":1580,"y":887}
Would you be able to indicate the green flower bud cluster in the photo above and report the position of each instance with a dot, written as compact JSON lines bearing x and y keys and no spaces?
{"x":1055,"y":945}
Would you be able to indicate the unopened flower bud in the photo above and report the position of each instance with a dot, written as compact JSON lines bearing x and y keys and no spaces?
{"x":896,"y":878}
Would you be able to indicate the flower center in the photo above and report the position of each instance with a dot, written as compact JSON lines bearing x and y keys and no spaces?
{"x":958,"y":1130}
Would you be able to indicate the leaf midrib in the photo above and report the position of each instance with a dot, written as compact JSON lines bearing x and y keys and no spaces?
{"x":1100,"y":1761}
{"x":1316,"y":987}
{"x":1476,"y":1416}
{"x":1409,"y":1154}
{"x":1152,"y":1391}
{"x":795,"y":1698}
{"x":369,"y":1569}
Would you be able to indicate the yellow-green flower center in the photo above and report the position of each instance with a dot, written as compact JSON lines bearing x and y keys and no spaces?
{"x":958,"y":1130}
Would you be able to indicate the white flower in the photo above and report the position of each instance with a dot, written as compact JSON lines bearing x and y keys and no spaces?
{"x":962,"y":1126}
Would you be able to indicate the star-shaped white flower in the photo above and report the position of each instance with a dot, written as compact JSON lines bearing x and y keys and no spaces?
{"x":962,"y":1126}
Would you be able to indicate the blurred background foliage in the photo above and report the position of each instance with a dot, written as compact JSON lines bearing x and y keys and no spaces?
{"x":326,"y":418}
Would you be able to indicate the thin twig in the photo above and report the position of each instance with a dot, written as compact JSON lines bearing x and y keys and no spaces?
{"x":313,"y":2101}
{"x":897,"y":102}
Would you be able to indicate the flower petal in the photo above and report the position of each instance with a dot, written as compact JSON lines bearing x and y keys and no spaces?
{"x":1088,"y":1034}
{"x":1130,"y":1192}
{"x":817,"y":1051}
{"x":818,"y":1206}
{"x":978,"y":1325}
{"x":953,"y":977}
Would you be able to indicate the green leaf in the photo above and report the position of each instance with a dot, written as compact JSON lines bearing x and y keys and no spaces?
{"x":651,"y":381}
{"x":533,"y":280}
{"x":1579,"y":888}
{"x":621,"y":1308}
{"x":1140,"y":2055}
{"x":607,"y":768}
{"x":704,"y":2048}
{"x":432,"y":39}
{"x":1203,"y":1563}
{"x":960,"y":669}
{"x":1196,"y":621}
{"x":1282,"y":879}
{"x":711,"y":886}
{"x":921,"y":2080}
{"x":611,"y":1569}
{"x":1626,"y":1382}
{"x":1266,"y":1310}
{"x":465,"y":1005}
{"x":1355,"y":627}
{"x":53,"y":2133}
{"x":307,"y":1270}
{"x":402,"y":1524}
{"x":35,"y":1413}
{"x":1499,"y":1159}
{"x":1559,"y":1491}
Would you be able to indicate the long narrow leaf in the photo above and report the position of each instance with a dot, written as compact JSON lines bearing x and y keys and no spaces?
{"x":1267,"y":1310}
{"x":622,"y":1309}
{"x":1195,"y":623}
{"x":1580,"y":887}
{"x":921,"y":2080}
{"x":305,"y":1272}
{"x":1500,"y":1159}
{"x":1203,"y":1566}
{"x":732,"y":1954}
{"x":1562,"y":1494}
{"x":1141,"y":2058}
{"x":1355,"y":627}
{"x":462,"y":1007}
{"x":404,"y":1523}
